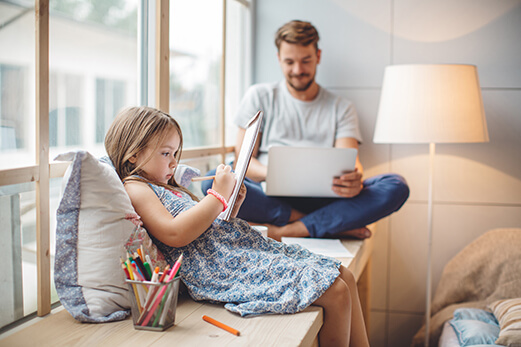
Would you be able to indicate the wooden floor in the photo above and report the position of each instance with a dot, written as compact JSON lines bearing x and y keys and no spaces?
{"x":301,"y":329}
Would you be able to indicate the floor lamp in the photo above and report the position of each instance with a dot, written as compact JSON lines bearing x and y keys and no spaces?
{"x":431,"y":104}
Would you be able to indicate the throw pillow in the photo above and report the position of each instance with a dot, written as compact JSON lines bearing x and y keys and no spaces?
{"x":475,"y":314}
{"x":93,"y":224}
{"x":508,"y":313}
{"x":473,"y":332}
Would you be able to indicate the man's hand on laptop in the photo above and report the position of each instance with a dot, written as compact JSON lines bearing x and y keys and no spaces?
{"x":348,"y":185}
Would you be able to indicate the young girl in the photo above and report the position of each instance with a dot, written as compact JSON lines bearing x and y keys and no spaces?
{"x":225,"y":261}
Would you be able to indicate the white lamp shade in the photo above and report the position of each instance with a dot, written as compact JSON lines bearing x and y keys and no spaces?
{"x":431,"y":104}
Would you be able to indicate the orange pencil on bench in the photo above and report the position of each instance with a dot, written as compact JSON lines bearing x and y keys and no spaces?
{"x":203,"y":178}
{"x":221,"y":325}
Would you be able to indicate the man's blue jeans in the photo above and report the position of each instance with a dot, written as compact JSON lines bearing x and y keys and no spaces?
{"x":381,"y":196}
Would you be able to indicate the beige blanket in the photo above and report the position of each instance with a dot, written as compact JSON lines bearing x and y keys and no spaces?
{"x":486,"y":270}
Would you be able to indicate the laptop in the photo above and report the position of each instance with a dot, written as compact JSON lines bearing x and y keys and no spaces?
{"x":306,"y":171}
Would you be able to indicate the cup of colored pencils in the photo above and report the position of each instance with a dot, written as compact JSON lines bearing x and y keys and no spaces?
{"x":153,"y":299}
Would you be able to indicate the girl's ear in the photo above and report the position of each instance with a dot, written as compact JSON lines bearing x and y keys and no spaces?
{"x":132,"y":159}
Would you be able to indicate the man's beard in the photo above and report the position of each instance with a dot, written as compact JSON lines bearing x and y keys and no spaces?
{"x":301,"y":89}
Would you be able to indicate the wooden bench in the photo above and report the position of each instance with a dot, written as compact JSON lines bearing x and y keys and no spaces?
{"x":301,"y":329}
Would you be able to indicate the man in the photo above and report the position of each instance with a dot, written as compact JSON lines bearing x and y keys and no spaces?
{"x":298,"y":112}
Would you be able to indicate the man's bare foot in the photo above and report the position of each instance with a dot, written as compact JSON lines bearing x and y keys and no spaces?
{"x":359,"y":233}
{"x":295,"y":229}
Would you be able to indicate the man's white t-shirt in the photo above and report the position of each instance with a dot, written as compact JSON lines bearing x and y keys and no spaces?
{"x":292,"y":122}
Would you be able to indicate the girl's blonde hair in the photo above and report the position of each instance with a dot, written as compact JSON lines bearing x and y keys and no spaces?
{"x":133,"y":130}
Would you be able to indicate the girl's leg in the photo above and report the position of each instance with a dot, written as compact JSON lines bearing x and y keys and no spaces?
{"x":336,"y":302}
{"x":358,"y":331}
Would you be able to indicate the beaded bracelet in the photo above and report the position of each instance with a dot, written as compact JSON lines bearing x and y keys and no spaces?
{"x":219,"y":197}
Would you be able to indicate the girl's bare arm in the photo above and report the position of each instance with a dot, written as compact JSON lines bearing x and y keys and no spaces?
{"x":186,"y":226}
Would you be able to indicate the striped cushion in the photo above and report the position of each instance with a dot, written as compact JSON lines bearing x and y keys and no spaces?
{"x":508,"y":313}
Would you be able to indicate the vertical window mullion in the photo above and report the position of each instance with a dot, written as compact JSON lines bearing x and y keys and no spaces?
{"x":223,"y":86}
{"x":143,"y":46}
{"x":42,"y":157}
{"x":162,"y":55}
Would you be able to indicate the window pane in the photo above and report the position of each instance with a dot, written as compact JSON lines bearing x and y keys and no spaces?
{"x":64,"y":122}
{"x":195,"y":69}
{"x":110,"y":98}
{"x":18,"y":246}
{"x":238,"y":62}
{"x":18,"y":249}
{"x":16,"y":85}
{"x":93,"y":63}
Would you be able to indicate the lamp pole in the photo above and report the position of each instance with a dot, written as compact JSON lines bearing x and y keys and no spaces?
{"x":432,"y":150}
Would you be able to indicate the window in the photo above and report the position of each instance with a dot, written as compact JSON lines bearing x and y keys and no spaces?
{"x":94,"y":53}
{"x":18,"y":245}
{"x":195,"y":69}
{"x":110,"y":98}
{"x":238,"y":61}
{"x":65,"y":108}
{"x":93,"y":57}
{"x":12,"y":91}
{"x":16,"y":84}
{"x":92,"y":74}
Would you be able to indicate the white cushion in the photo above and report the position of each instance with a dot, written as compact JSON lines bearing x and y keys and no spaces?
{"x":92,"y":227}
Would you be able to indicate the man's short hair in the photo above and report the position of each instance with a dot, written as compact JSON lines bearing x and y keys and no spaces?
{"x":297,"y":32}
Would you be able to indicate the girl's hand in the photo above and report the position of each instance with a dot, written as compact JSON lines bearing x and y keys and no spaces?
{"x":224,"y":181}
{"x":240,"y":198}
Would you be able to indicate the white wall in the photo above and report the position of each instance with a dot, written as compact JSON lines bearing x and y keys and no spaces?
{"x":477,"y":186}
